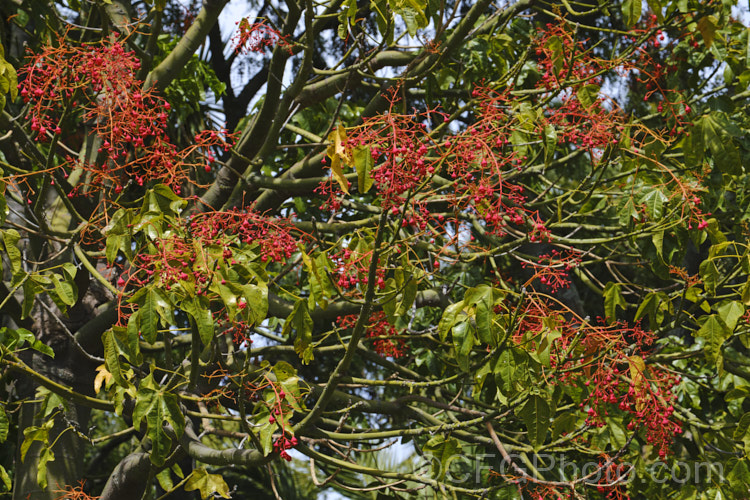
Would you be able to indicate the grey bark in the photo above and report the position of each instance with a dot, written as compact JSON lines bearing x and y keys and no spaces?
{"x":128,"y":480}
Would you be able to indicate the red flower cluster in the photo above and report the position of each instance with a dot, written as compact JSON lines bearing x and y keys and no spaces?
{"x":238,"y":328}
{"x":559,"y":57}
{"x":612,"y":478}
{"x":61,"y":73}
{"x":173,"y":261}
{"x":644,"y":393}
{"x":235,"y":227}
{"x":254,"y":37}
{"x":351,"y":268}
{"x":480,"y":159}
{"x":98,"y":85}
{"x":75,"y":493}
{"x":282,"y":444}
{"x":608,"y":360}
{"x":380,"y":330}
{"x":552,"y":269}
{"x":399,"y":146}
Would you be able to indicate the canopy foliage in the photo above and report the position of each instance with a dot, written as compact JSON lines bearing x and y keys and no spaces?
{"x":394,"y":248}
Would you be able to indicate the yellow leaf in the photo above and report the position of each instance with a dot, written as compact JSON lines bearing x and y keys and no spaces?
{"x":337,"y":146}
{"x":207,"y":484}
{"x":337,"y":152}
{"x":102,"y":377}
{"x":707,"y":26}
{"x":637,"y":367}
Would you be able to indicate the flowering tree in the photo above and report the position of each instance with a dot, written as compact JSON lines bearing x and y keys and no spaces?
{"x":403,"y":248}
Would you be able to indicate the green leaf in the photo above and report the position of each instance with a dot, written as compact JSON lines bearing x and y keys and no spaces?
{"x":484,"y":322}
{"x":266,"y":431}
{"x":157,"y":407}
{"x":715,"y":331}
{"x":480,"y":375}
{"x":119,"y":233}
{"x":742,"y":433}
{"x":511,"y":371}
{"x":637,"y":369}
{"x":613,"y":299}
{"x":631,"y":9}
{"x":3,"y":205}
{"x":565,"y":423}
{"x":412,"y":12}
{"x":114,"y":243}
{"x":161,"y":200}
{"x":165,"y":479}
{"x":657,"y":238}
{"x":739,"y":477}
{"x":550,"y":143}
{"x":743,"y":428}
{"x":714,"y":231}
{"x":256,"y":298}
{"x":287,"y":377}
{"x":654,"y":201}
{"x":4,"y":424}
{"x":731,"y":312}
{"x":363,"y":164}
{"x":51,"y":402}
{"x":207,"y":484}
{"x":16,"y":339}
{"x":30,"y":291}
{"x":40,"y":346}
{"x":520,"y":142}
{"x":694,"y":146}
{"x":346,"y":17}
{"x":463,"y":342}
{"x":710,"y":275}
{"x":654,"y":306}
{"x":148,"y":317}
{"x":229,"y":294}
{"x":740,"y":392}
{"x":178,"y":471}
{"x":34,"y":433}
{"x":45,"y":457}
{"x":745,"y":292}
{"x":656,"y":8}
{"x":554,"y":45}
{"x":8,"y":78}
{"x":627,"y":212}
{"x":441,"y":451}
{"x":319,"y":293}
{"x":449,"y":318}
{"x":725,"y":154}
{"x":300,"y":321}
{"x":11,"y":239}
{"x":408,"y":296}
{"x":383,"y":19}
{"x":5,"y":478}
{"x":588,"y":95}
{"x":535,"y":414}
{"x":69,"y":271}
{"x":548,"y":337}
{"x":200,"y":311}
{"x":618,"y":436}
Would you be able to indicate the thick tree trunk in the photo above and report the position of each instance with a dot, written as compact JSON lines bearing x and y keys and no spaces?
{"x":68,"y":466}
{"x":128,"y":480}
{"x":70,"y":368}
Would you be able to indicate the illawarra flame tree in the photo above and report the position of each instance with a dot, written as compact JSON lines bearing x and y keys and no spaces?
{"x":390,"y":248}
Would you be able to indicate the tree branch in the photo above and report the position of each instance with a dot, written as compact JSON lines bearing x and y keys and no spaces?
{"x":161,"y":76}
